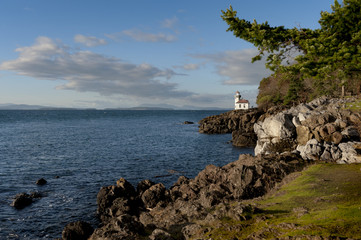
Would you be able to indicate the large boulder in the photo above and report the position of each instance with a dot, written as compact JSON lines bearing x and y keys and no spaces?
{"x":41,"y":181}
{"x":273,"y":130}
{"x":122,"y":195}
{"x":311,"y":151}
{"x":351,"y":152}
{"x":124,"y":227}
{"x":156,"y":194}
{"x":77,"y":231}
{"x":279,"y":126}
{"x":22,"y":200}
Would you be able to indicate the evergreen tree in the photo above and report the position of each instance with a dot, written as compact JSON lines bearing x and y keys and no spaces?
{"x":328,"y":58}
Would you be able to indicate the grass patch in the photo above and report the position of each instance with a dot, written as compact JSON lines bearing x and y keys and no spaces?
{"x":325,"y":200}
{"x":354,"y":106}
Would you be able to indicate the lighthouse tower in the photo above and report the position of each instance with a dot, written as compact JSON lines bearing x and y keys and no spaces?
{"x":240,"y":103}
{"x":237,"y":97}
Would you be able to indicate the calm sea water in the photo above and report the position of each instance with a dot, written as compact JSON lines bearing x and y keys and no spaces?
{"x":78,"y":152}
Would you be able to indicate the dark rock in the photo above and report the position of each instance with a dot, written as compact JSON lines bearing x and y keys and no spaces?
{"x":155,"y":194}
{"x":159,"y":234}
{"x":351,"y":134}
{"x":22,"y":200}
{"x":243,"y":139}
{"x":77,"y":231}
{"x":188,"y":122}
{"x":336,"y":137}
{"x":126,"y":214}
{"x":182,"y":189}
{"x":35,"y":195}
{"x":121,"y":206}
{"x":107,"y":195}
{"x":125,"y":227}
{"x":143,"y":186}
{"x":239,"y":123}
{"x":41,"y":181}
{"x":125,"y":186}
{"x":192,"y":230}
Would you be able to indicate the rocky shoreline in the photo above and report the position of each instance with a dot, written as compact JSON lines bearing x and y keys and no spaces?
{"x":286,"y":142}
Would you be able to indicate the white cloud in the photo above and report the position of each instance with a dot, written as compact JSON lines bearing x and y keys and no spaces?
{"x":189,"y":66}
{"x":87,"y":71}
{"x":237,"y":66}
{"x":170,"y":22}
{"x":140,"y":36}
{"x":89,"y":41}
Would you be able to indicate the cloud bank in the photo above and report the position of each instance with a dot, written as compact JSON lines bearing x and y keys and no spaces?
{"x":140,"y":36}
{"x":89,"y":41}
{"x":237,"y":66}
{"x":87,"y":71}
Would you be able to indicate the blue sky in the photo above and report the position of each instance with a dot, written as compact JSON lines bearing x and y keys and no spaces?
{"x":119,"y":53}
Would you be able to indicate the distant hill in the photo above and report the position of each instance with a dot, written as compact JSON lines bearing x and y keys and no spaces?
{"x":140,"y":108}
{"x":10,"y":106}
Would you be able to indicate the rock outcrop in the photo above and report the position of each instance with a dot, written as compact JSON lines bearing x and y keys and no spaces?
{"x":238,"y":122}
{"x":23,"y":200}
{"x":154,"y":212}
{"x":41,"y":181}
{"x":77,"y":231}
{"x":320,"y":130}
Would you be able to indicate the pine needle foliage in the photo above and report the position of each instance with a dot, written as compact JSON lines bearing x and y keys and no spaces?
{"x":316,"y":61}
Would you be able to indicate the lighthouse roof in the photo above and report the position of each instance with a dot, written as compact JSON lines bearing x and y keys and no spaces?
{"x":243,"y":101}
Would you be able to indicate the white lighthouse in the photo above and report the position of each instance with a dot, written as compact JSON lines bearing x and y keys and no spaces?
{"x":240,"y":103}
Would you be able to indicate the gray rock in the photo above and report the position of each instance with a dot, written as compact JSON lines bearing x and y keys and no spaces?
{"x":311,"y":151}
{"x":350,"y":152}
{"x":273,"y":130}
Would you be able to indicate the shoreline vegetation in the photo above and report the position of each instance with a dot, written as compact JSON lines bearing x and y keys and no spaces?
{"x":281,"y":193}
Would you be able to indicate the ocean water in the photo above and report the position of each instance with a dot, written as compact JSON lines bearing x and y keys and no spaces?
{"x":79,"y":151}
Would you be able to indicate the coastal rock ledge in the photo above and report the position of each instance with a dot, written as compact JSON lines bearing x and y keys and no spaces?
{"x":323,"y":129}
{"x":151,"y":211}
{"x":238,"y":122}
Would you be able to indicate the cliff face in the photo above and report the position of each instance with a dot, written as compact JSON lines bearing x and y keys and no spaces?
{"x":238,"y":122}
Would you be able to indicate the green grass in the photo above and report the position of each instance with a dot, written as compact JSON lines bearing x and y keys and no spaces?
{"x":354,"y":106}
{"x":325,"y":200}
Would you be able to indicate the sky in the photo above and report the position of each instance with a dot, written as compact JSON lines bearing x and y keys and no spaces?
{"x":117,"y":53}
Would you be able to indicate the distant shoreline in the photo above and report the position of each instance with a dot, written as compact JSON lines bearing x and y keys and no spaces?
{"x":36,"y":107}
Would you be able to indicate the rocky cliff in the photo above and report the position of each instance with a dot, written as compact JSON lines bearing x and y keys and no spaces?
{"x":238,"y":122}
